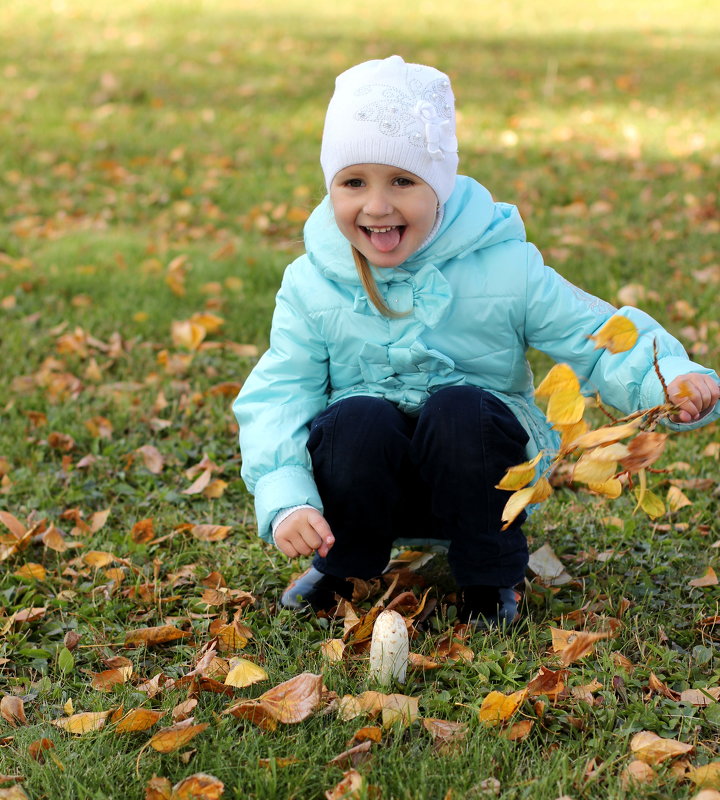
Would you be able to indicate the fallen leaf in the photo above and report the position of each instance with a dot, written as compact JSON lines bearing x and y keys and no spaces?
{"x":399,"y":708}
{"x":444,"y":731}
{"x":152,"y":458}
{"x":548,"y":682}
{"x":548,"y":567}
{"x":353,"y":756}
{"x":654,"y":749}
{"x":245,"y":673}
{"x":519,"y":730}
{"x":37,"y":748}
{"x":199,"y":484}
{"x":708,"y":579}
{"x":268,"y":763}
{"x":618,"y":334}
{"x":707,"y":775}
{"x":139,"y":719}
{"x":97,"y":559}
{"x":176,"y":736}
{"x":676,"y":499}
{"x":369,"y":702}
{"x":109,"y":678}
{"x":369,"y":733}
{"x":210,"y":533}
{"x":700,"y":697}
{"x":82,"y":723}
{"x":332,"y":650}
{"x":152,"y":636}
{"x":143,"y":531}
{"x":350,"y":787}
{"x":290,"y":702}
{"x":12,"y":710}
{"x":199,"y":786}
{"x":13,"y":793}
{"x":637,"y":772}
{"x":497,"y":707}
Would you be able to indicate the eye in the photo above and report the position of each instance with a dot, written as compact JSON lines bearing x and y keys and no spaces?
{"x":353,"y":183}
{"x":402,"y":181}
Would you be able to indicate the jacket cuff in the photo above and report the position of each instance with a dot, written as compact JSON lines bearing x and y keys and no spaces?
{"x":280,"y":489}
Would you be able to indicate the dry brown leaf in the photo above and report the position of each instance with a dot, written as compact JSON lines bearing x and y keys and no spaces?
{"x":210,"y":533}
{"x":369,"y":733}
{"x":199,"y":786}
{"x":245,"y":673}
{"x":445,"y":731}
{"x":399,"y":708}
{"x":139,"y":719}
{"x":143,"y":531}
{"x":268,"y":763}
{"x":109,"y":678}
{"x":152,"y":458}
{"x":419,"y":661}
{"x":153,"y":636}
{"x":676,"y":499}
{"x":200,"y":483}
{"x":158,"y":789}
{"x":184,"y":710}
{"x":707,"y":794}
{"x":82,"y":723}
{"x":708,"y":579}
{"x":700,"y":697}
{"x":637,"y":772}
{"x":498,"y":707}
{"x":14,"y":525}
{"x":12,"y":710}
{"x":353,"y":756}
{"x":176,"y":736}
{"x":548,"y":683}
{"x":188,"y":335}
{"x":332,"y":650}
{"x":657,"y":685}
{"x":654,"y":749}
{"x":37,"y":748}
{"x":350,"y":787}
{"x":13,"y":792}
{"x":519,"y":730}
{"x":290,"y":702}
{"x":645,"y":449}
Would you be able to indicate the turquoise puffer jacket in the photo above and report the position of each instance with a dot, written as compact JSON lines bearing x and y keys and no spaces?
{"x":478,"y":296}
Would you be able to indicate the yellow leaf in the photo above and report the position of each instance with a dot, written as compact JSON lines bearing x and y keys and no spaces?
{"x":172,"y":738}
{"x":570,"y":433}
{"x":199,"y":786}
{"x":676,"y":499}
{"x":106,"y":680}
{"x":350,"y":787}
{"x":497,"y":707}
{"x":612,"y":489}
{"x":245,"y":673}
{"x":211,"y":322}
{"x":637,"y":772}
{"x":650,"y":503}
{"x":333,"y":650}
{"x":560,"y":378}
{"x":592,"y":470}
{"x":151,"y":636}
{"x":565,"y":408}
{"x":188,"y":335}
{"x":139,"y":719}
{"x":520,"y":475}
{"x":215,"y":489}
{"x":97,"y":559}
{"x":12,"y":710}
{"x":618,"y":334}
{"x":607,"y":434}
{"x":707,"y":775}
{"x":31,"y":571}
{"x":83,"y":723}
{"x":524,"y":497}
{"x":653,"y":749}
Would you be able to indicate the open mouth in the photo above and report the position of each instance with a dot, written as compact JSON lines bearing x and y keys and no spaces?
{"x":384,"y":238}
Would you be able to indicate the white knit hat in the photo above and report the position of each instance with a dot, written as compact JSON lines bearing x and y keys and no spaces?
{"x":390,"y":112}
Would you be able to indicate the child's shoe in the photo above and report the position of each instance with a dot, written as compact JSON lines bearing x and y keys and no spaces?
{"x":490,"y":606}
{"x":316,"y":590}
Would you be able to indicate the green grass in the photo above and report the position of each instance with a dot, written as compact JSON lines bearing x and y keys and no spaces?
{"x":134,"y":133}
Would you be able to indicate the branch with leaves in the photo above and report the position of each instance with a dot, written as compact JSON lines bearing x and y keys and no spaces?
{"x":608,"y":457}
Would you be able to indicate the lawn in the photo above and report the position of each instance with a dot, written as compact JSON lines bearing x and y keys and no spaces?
{"x":157,"y":161}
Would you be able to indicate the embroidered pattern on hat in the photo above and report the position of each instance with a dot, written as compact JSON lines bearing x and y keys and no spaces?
{"x":421,"y":114}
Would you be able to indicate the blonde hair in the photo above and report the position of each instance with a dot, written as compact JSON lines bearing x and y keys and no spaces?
{"x":371,"y":288}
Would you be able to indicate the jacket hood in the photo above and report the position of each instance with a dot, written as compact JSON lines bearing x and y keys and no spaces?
{"x":471,"y":221}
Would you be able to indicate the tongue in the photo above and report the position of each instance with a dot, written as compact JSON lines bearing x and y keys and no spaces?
{"x":385,"y":242}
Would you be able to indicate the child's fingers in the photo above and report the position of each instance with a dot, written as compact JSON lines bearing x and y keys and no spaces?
{"x":321,"y":527}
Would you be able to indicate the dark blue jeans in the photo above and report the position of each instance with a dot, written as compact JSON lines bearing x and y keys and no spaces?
{"x":384,"y":475}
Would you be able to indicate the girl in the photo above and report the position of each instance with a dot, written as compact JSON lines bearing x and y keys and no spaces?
{"x":396,"y":391}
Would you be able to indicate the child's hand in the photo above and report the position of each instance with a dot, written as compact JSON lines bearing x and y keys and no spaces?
{"x":304,"y":532}
{"x":693,"y":394}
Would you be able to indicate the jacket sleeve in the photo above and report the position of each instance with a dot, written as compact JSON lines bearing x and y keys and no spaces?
{"x":560,"y":318}
{"x":285,"y":391}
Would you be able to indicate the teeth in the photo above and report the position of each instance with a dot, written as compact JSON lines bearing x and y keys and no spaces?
{"x":381,"y":230}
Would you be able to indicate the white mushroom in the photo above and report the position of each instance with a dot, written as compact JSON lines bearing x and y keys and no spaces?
{"x":389,"y":648}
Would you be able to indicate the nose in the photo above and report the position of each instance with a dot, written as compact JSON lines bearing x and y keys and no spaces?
{"x":377,"y":203}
